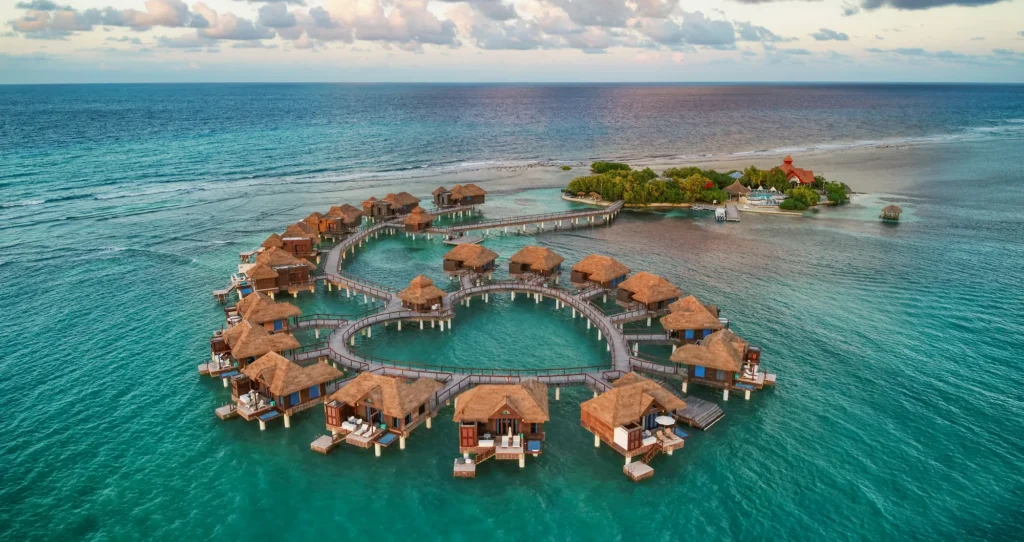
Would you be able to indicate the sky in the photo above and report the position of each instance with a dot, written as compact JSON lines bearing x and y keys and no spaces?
{"x":109,"y":41}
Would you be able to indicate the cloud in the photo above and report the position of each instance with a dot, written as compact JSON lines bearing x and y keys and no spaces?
{"x":61,"y":23}
{"x":253,"y":45}
{"x":999,"y":57}
{"x":750,"y":32}
{"x":229,"y":26}
{"x":1021,"y":33}
{"x":613,"y":13}
{"x":497,"y":10}
{"x":825,"y":34}
{"x":42,"y":5}
{"x":125,"y":39}
{"x":924,"y":4}
{"x":276,"y":15}
{"x":699,"y":30}
{"x":656,"y":8}
{"x":850,"y":10}
{"x":183,"y":42}
{"x":796,"y":51}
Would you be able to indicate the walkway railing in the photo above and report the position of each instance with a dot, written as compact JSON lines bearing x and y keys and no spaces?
{"x":532,"y":219}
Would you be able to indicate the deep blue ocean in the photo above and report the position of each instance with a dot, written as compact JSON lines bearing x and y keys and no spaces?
{"x":898,"y":409}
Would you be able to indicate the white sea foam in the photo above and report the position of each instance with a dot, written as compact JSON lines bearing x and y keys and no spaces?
{"x":25,"y":203}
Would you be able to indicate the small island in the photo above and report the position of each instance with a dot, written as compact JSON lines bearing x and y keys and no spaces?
{"x":785,"y":187}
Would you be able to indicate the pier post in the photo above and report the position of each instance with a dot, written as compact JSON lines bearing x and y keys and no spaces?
{"x":428,"y":421}
{"x":597,"y":439}
{"x":648,"y":321}
{"x":376,"y":449}
{"x":364,"y":299}
{"x":328,"y":285}
{"x":468,"y":298}
{"x":369,"y":332}
{"x":295,"y":294}
{"x":449,"y":324}
{"x":401,"y":443}
{"x":588,"y":323}
{"x":605,"y":298}
{"x":595,"y":395}
{"x":513,"y":295}
{"x":599,"y":334}
{"x":636,"y":348}
{"x":348,"y":292}
{"x":487,"y":298}
{"x":399,"y":325}
{"x":225,"y":381}
{"x":263,"y":425}
{"x":629,"y":460}
{"x":669,"y":451}
{"x":558,"y":390}
{"x":725,"y":394}
{"x":684,"y":386}
{"x":674,"y":348}
{"x":352,"y":340}
{"x":287,"y":421}
{"x":421,"y":324}
{"x":746,"y":395}
{"x":442,"y":325}
{"x":522,"y":460}
{"x":271,"y":294}
{"x":316,"y":333}
{"x":432,"y":322}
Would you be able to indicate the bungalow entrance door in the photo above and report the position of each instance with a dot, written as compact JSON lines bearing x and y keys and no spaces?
{"x":373,"y":416}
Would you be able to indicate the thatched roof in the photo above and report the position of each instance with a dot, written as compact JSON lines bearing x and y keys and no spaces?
{"x":690,"y":313}
{"x":892,"y":209}
{"x":601,"y":268}
{"x":258,"y":308}
{"x":439,"y":190}
{"x":471,"y":255}
{"x":261,"y":271}
{"x":737,"y":189}
{"x":528,"y":399}
{"x":460,"y":191}
{"x":273,"y":241}
{"x":248,"y":340}
{"x":368,"y":202}
{"x":313,"y":220}
{"x":629,"y":400}
{"x":346,"y":212}
{"x":418,"y":216}
{"x":277,"y":257}
{"x":538,"y":258}
{"x":649,"y":288}
{"x":421,"y":290}
{"x":401,"y":199}
{"x":395,"y":396}
{"x":594,"y":195}
{"x":283,"y":376}
{"x":722,"y":349}
{"x":301,"y":230}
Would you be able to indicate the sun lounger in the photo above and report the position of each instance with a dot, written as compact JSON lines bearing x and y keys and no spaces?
{"x":504,"y":442}
{"x":515,"y":441}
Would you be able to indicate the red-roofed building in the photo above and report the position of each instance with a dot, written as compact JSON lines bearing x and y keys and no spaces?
{"x":796,"y":175}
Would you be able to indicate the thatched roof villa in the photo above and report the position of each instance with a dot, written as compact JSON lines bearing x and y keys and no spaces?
{"x":422,"y":295}
{"x":258,"y":308}
{"x":689,"y":320}
{"x":736,"y":190}
{"x":535,"y":260}
{"x":891,"y":212}
{"x":402,"y":202}
{"x":369,"y":401}
{"x":505,"y":421}
{"x":418,"y":220}
{"x":725,"y":361}
{"x":248,"y":341}
{"x":273,"y":385}
{"x":277,"y":270}
{"x":469,"y":257}
{"x":603,"y":271}
{"x":648,"y":290}
{"x":468,"y":194}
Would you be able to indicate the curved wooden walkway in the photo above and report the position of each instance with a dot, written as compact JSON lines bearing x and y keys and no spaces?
{"x":605,"y":213}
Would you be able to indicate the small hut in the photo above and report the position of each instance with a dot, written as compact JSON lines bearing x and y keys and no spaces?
{"x":422,"y":295}
{"x":594,"y":196}
{"x":648,"y":290}
{"x":467,"y":194}
{"x":418,"y":220}
{"x":601,"y":270}
{"x":891,"y":213}
{"x":736,"y":190}
{"x":247,"y":341}
{"x":689,"y":320}
{"x":442,"y":197}
{"x":370,"y":207}
{"x":300,"y":240}
{"x":502,"y":420}
{"x":401,"y":203}
{"x":626,"y":418}
{"x":277,"y":270}
{"x":472,"y":258}
{"x":259,"y":309}
{"x":535,"y":260}
{"x":723,"y":360}
{"x":314,"y":221}
{"x":370,"y":402}
{"x":281,"y":386}
{"x":274,"y":241}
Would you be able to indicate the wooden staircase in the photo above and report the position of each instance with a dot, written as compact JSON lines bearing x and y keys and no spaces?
{"x":484,"y":456}
{"x":655,"y":448}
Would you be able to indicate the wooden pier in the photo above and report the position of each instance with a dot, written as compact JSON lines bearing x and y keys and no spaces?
{"x":700,"y":413}
{"x":555,"y":219}
{"x":637,"y":471}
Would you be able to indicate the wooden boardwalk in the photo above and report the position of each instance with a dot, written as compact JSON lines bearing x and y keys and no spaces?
{"x":700,"y":413}
{"x":555,"y":219}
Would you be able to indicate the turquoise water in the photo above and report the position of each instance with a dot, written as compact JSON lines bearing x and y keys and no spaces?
{"x":896,"y":414}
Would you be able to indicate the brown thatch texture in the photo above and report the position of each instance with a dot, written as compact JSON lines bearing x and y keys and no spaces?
{"x":690,"y":313}
{"x":401,"y":199}
{"x":313,"y":220}
{"x":302,"y":231}
{"x":538,"y":258}
{"x":629,"y":400}
{"x":395,"y":396}
{"x":421,"y":291}
{"x":737,"y":189}
{"x":892,"y":210}
{"x":601,"y":268}
{"x":439,"y":190}
{"x":529,"y":399}
{"x":722,"y":349}
{"x":649,"y":288}
{"x":368,"y":203}
{"x":249,"y":340}
{"x":258,"y":308}
{"x":273,"y":241}
{"x":471,"y":255}
{"x":261,"y":271}
{"x":418,"y":216}
{"x":460,"y":191}
{"x":283,"y":376}
{"x":276,"y":257}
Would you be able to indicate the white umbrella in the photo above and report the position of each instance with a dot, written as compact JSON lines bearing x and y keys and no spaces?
{"x":665,"y":420}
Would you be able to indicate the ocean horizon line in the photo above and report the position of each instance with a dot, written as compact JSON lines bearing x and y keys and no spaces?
{"x":546,"y":83}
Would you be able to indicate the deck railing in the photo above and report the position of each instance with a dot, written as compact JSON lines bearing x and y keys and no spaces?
{"x":529,"y":219}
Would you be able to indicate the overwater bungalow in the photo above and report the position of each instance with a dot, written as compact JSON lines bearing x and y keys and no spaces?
{"x":648,"y":290}
{"x":274,"y":386}
{"x":635,"y":418}
{"x":402,"y":203}
{"x":725,"y":361}
{"x":418,"y":220}
{"x":377,"y":409}
{"x":891,"y":213}
{"x":689,"y":320}
{"x":736,"y":190}
{"x":795,"y":175}
{"x":505,"y":421}
{"x":242,"y":344}
{"x":259,"y":309}
{"x":300,"y":240}
{"x":600,"y":270}
{"x":279,"y":271}
{"x":313,"y":221}
{"x":467,"y":194}
{"x":535,"y":260}
{"x":372,"y":211}
{"x":274,"y":241}
{"x":422,"y":295}
{"x":343,"y":219}
{"x":471,"y":258}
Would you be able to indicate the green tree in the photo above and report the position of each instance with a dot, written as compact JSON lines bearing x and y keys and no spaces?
{"x":804,"y":195}
{"x":836,"y":192}
{"x":604,"y":167}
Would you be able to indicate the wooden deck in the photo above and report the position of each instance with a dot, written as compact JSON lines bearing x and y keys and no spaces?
{"x":638,"y":471}
{"x":700,"y":413}
{"x":464,"y":468}
{"x":325,"y":443}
